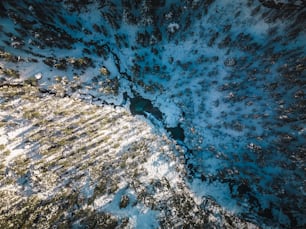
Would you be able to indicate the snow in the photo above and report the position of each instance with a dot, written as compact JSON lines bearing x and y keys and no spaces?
{"x":172,"y":114}
{"x":199,"y":89}
{"x":140,"y":217}
{"x":173,"y":27}
{"x":218,"y":191}
{"x":38,"y":76}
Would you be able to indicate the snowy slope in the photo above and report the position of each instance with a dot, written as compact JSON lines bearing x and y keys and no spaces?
{"x":66,"y":163}
{"x":230,"y":75}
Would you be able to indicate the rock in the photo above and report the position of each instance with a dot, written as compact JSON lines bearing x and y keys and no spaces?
{"x":124,"y":201}
{"x":104,"y":71}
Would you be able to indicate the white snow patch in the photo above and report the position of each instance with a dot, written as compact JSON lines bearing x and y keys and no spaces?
{"x":172,"y":114}
{"x":38,"y":76}
{"x":218,"y":191}
{"x":139,"y":215}
{"x":103,"y":200}
{"x":173,"y":27}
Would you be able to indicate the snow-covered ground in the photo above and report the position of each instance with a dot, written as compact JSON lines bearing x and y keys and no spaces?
{"x":68,"y":163}
{"x":231,"y":74}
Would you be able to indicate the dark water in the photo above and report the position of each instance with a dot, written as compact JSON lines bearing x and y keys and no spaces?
{"x":142,"y":106}
{"x":177,"y":133}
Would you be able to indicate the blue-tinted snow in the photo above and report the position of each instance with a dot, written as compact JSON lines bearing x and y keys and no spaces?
{"x":243,"y":136}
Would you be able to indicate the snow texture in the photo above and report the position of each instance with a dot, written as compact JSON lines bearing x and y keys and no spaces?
{"x":230,"y":74}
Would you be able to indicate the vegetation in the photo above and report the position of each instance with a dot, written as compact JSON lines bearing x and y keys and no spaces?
{"x":71,"y":154}
{"x":9,"y":72}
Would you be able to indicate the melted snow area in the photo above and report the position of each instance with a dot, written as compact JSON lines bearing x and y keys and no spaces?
{"x":152,"y":114}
